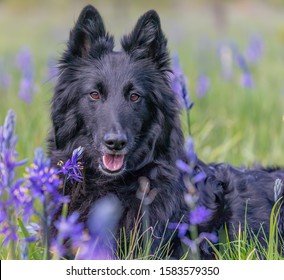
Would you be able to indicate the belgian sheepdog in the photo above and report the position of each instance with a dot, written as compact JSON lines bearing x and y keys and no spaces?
{"x":120,"y":107}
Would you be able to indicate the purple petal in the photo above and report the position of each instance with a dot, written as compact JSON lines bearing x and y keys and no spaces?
{"x":199,"y":215}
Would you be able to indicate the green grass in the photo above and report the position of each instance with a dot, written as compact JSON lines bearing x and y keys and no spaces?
{"x":230,"y":124}
{"x":247,"y":245}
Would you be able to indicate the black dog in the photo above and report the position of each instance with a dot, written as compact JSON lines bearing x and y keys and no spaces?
{"x":120,"y":107}
{"x":243,"y":198}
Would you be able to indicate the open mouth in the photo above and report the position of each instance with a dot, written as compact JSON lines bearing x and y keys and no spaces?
{"x":113,"y":163}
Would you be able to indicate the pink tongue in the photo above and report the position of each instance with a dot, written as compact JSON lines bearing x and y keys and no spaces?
{"x":113,"y":162}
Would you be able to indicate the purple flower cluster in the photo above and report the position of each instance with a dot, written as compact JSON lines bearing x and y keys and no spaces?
{"x":43,"y":181}
{"x":10,"y":188}
{"x":67,"y":228}
{"x":102,"y":222}
{"x":230,"y":55}
{"x":198,"y":214}
{"x":25,"y":65}
{"x":24,"y":62}
{"x":99,"y":242}
{"x":255,"y":49}
{"x":188,"y":233}
{"x":188,"y":166}
{"x":19,"y":199}
{"x":17,"y":196}
{"x":179,"y":84}
{"x":246,"y":78}
{"x":72,"y":168}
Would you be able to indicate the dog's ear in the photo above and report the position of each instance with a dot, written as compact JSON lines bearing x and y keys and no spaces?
{"x":148,"y":41}
{"x":88,"y":35}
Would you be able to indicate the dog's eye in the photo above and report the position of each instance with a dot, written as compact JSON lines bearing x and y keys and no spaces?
{"x":134,"y":97}
{"x":95,"y":95}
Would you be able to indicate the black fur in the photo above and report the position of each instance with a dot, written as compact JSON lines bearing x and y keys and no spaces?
{"x":150,"y":126}
{"x":247,"y":197}
{"x":145,"y":132}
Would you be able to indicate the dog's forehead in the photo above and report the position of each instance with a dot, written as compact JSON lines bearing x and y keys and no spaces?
{"x":116,"y":59}
{"x":119,"y":66}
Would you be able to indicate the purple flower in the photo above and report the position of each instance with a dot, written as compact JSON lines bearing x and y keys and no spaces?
{"x":199,"y":215}
{"x":102,"y":223}
{"x":25,"y":64}
{"x":254,"y":49}
{"x":104,"y":215}
{"x":43,"y":180}
{"x":3,"y":213}
{"x":184,"y":167}
{"x":40,"y":160}
{"x":72,"y":168}
{"x":9,"y":231}
{"x":241,"y":62}
{"x":246,"y":77}
{"x":67,"y":228}
{"x":8,"y":131}
{"x":8,"y":154}
{"x":210,"y":236}
{"x":179,"y":84}
{"x":24,"y":60}
{"x":202,"y":85}
{"x":44,"y":184}
{"x":188,"y":167}
{"x":93,"y":249}
{"x":34,"y":230}
{"x":190,"y":151}
{"x":199,"y":177}
{"x":246,"y":80}
{"x":9,"y":204}
{"x":22,"y":198}
{"x":181,"y":227}
{"x":27,"y":89}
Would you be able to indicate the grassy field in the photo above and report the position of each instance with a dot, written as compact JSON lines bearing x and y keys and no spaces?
{"x":232,"y":122}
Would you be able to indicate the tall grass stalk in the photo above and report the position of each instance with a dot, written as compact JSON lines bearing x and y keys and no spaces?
{"x":247,"y":245}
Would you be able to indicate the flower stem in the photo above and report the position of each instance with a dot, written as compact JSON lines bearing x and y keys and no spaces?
{"x":195,"y":255}
{"x":64,"y":185}
{"x":12,"y":250}
{"x":188,"y":122}
{"x":46,"y":236}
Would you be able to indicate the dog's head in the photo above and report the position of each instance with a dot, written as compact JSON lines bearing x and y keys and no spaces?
{"x":118,"y":105}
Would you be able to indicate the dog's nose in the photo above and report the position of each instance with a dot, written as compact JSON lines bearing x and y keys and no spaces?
{"x":115,"y":141}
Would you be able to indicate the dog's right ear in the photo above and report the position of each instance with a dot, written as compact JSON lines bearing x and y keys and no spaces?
{"x":88,"y":35}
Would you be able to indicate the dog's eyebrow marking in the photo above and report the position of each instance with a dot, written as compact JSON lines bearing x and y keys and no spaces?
{"x":100,"y":87}
{"x":128,"y":87}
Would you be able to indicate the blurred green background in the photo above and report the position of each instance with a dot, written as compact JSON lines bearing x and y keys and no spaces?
{"x":231,"y":121}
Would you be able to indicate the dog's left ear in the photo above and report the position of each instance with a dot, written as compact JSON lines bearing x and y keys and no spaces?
{"x":148,"y":41}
